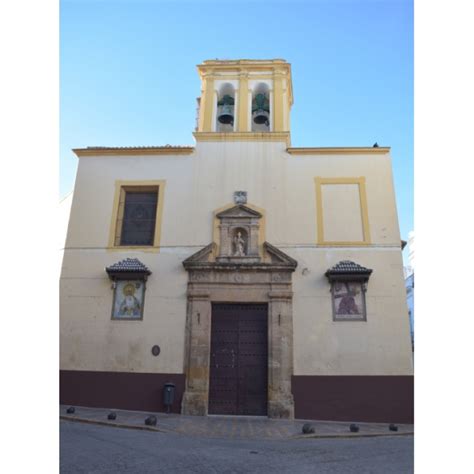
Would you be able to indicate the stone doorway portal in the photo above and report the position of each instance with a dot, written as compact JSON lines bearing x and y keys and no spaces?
{"x":238,"y":271}
{"x":239,"y":359}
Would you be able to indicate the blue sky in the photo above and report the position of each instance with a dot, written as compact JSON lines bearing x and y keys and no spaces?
{"x":128,"y":75}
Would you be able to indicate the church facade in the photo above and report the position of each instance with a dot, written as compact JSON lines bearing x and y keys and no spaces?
{"x":258,"y":278}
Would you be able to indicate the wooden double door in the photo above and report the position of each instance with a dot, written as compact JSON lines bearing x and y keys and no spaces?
{"x":239,"y":359}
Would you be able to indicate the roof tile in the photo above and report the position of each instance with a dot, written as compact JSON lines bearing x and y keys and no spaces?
{"x":347,"y":266}
{"x":132,"y":265}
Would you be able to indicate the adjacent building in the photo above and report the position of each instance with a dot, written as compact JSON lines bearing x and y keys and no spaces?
{"x":410,"y":289}
{"x":257,"y":277}
{"x":410,"y":285}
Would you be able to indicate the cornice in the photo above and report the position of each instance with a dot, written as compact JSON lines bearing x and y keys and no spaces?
{"x":241,"y":267}
{"x":243,"y":65}
{"x":242,"y":136}
{"x":121,"y":151}
{"x":338,"y":150}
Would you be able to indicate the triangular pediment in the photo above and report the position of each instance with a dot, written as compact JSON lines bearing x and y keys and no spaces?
{"x":239,"y":211}
{"x":201,"y":256}
{"x":278,"y":257}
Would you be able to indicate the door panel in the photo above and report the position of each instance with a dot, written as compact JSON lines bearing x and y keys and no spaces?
{"x":239,"y":359}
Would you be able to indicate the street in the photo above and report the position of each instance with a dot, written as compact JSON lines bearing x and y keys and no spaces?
{"x":87,"y":448}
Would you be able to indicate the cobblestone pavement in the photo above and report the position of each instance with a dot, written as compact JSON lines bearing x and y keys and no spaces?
{"x":230,"y":427}
{"x":92,"y":449}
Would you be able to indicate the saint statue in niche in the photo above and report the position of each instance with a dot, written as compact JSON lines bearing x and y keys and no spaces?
{"x":239,"y":245}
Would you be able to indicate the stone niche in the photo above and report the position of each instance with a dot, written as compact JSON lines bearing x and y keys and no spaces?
{"x":238,"y":235}
{"x":241,"y":272}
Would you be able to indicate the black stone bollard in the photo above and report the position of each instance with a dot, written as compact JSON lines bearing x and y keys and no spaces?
{"x":393,"y":427}
{"x":354,"y":428}
{"x":308,"y":428}
{"x":70,"y":410}
{"x":112,"y":415}
{"x":150,"y":421}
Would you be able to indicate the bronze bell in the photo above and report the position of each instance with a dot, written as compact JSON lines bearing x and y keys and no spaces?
{"x":225,"y":110}
{"x":261,"y":110}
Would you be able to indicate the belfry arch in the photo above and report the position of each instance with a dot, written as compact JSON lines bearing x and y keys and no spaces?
{"x":225,"y":116}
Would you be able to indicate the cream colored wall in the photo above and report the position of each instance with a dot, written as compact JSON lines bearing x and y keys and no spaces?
{"x":90,"y":340}
{"x":378,"y":346}
{"x":64,"y":213}
{"x":196,"y":185}
{"x":301,"y":170}
{"x":342,"y":200}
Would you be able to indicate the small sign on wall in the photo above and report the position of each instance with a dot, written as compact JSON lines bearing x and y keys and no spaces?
{"x":348,"y":301}
{"x":128,"y":299}
{"x":348,"y":286}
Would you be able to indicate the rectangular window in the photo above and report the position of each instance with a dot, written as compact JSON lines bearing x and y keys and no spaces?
{"x":136,"y":215}
{"x":136,"y":218}
{"x":139,"y":218}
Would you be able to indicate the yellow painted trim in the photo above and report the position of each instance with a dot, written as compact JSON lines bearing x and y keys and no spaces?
{"x":243,"y":61}
{"x":243,"y":125}
{"x":215,"y":227}
{"x":318,"y":182}
{"x":242,"y":70}
{"x":213,"y":66}
{"x":289,"y":86}
{"x":200,"y":107}
{"x":349,"y":243}
{"x":364,"y":210}
{"x":319,"y":210}
{"x":119,"y":185}
{"x":337,"y":150}
{"x":237,"y":76}
{"x":266,"y":76}
{"x":105,"y":151}
{"x":207,"y":104}
{"x":242,"y":136}
{"x":278,"y":121}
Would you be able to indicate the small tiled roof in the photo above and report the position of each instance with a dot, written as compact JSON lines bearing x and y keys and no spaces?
{"x":346,"y":266}
{"x":129,"y":265}
{"x":347,"y":269}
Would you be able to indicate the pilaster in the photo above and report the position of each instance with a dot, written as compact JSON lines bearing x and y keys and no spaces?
{"x":280,"y":357}
{"x":243,"y":113}
{"x":198,"y":328}
{"x":207,"y":105}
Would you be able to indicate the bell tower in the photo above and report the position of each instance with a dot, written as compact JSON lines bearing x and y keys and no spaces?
{"x":244,"y":97}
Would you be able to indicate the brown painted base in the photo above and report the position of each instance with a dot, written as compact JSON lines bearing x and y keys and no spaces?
{"x":125,"y":390}
{"x":354,"y":398}
{"x":344,"y":398}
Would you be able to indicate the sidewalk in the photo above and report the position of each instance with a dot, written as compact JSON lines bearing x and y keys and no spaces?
{"x":238,"y":427}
